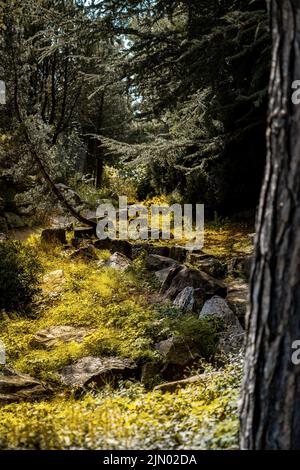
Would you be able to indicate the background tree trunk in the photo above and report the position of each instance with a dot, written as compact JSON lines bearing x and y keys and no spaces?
{"x":270,"y":412}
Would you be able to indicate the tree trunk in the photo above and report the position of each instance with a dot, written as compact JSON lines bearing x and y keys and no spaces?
{"x":270,"y":411}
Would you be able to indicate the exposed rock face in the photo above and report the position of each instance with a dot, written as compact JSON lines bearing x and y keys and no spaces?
{"x":209,"y":264}
{"x":150,"y":248}
{"x":158,"y":263}
{"x":181,"y":277}
{"x":179,"y":253}
{"x":185,"y":299}
{"x":96,"y":370}
{"x":116,"y":261}
{"x":54,"y":236}
{"x":241,"y":266}
{"x":150,"y":373}
{"x":15,"y":387}
{"x":50,"y":337}
{"x":232,"y":339}
{"x":86,"y":253}
{"x":177,"y":352}
{"x":120,"y":246}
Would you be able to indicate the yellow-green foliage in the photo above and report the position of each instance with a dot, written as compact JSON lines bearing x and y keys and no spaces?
{"x":201,"y":416}
{"x":114,"y":304}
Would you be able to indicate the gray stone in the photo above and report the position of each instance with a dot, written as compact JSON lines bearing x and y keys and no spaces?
{"x":120,"y":246}
{"x":177,"y":353}
{"x":232,"y":336}
{"x":185,"y":299}
{"x":117,"y":261}
{"x":182,"y":276}
{"x":96,"y":370}
{"x":158,"y":263}
{"x":16,"y":387}
{"x":50,"y":337}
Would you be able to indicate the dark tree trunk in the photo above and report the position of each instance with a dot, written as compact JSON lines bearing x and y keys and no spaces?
{"x":270,"y":412}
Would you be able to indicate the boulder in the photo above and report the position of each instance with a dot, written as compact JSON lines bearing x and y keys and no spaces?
{"x":50,"y":337}
{"x":182,"y":276}
{"x":53,"y":283}
{"x":96,"y":370}
{"x":240,"y":266}
{"x":232,"y":337}
{"x":15,"y":387}
{"x":120,"y":246}
{"x":185,"y":299}
{"x":158,"y":263}
{"x":177,"y":353}
{"x":54,"y":236}
{"x":209,"y":264}
{"x":162,"y":274}
{"x":151,"y":374}
{"x":179,"y":253}
{"x":116,"y":261}
{"x":150,"y":249}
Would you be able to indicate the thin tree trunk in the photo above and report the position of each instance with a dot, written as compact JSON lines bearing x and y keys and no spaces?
{"x":270,"y":411}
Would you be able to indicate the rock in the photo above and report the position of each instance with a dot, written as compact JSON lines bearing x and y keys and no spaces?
{"x":150,"y":249}
{"x":86,"y":253}
{"x":15,"y":387}
{"x":185,"y":299}
{"x":177,"y":352}
{"x":209,"y":264}
{"x":182,"y":276}
{"x":163,"y":274}
{"x":96,"y":370}
{"x":120,"y":246}
{"x":54,"y":236}
{"x":116,"y":261}
{"x":50,"y":337}
{"x":53,"y":283}
{"x":238,"y":299}
{"x":240,"y":266}
{"x":14,"y":220}
{"x":151,"y":374}
{"x":171,"y":387}
{"x":179,"y":253}
{"x":232,"y":338}
{"x":158,"y":263}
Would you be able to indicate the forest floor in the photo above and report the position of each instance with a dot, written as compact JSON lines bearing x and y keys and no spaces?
{"x":124,"y":317}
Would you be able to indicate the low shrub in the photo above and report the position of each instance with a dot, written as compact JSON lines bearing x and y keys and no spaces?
{"x":20,"y":272}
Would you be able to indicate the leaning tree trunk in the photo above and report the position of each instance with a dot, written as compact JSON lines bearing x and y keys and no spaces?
{"x":270,"y":412}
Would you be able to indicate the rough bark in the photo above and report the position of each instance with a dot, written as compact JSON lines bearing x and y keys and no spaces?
{"x":270,"y":410}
